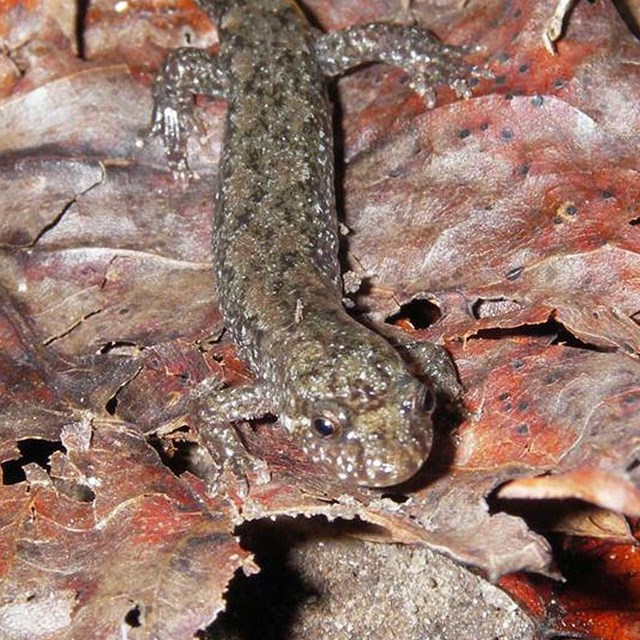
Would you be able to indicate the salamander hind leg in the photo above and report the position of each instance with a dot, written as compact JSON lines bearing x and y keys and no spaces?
{"x":185,"y":73}
{"x":216,"y":412}
{"x":411,"y":48}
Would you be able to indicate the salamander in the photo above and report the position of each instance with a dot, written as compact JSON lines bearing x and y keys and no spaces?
{"x":357,"y":402}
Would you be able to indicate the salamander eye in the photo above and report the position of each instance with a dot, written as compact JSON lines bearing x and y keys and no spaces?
{"x":425,"y":400}
{"x":325,"y":427}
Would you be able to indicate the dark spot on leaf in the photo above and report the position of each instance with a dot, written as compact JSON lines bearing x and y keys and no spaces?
{"x":74,"y":490}
{"x":517,"y":13}
{"x":523,"y":68}
{"x":188,"y":37}
{"x":628,"y":348}
{"x":19,"y":238}
{"x":522,"y":429}
{"x":420,"y":312}
{"x":504,"y":395}
{"x":508,"y":96}
{"x":132,"y":618}
{"x":631,"y":399}
{"x":607,"y":195}
{"x":506,"y":134}
{"x":464,"y":133}
{"x":242,"y":219}
{"x":500,"y":80}
{"x":504,"y":57}
{"x":514,"y":273}
{"x":572,"y":210}
{"x":524,"y":170}
{"x":123,"y":311}
{"x":517,"y":363}
{"x":633,"y":466}
{"x":112,"y":405}
{"x":31,"y":450}
{"x":552,"y":377}
{"x":396,"y":172}
{"x":557,"y":220}
{"x":558,"y":84}
{"x":473,"y":82}
{"x":537,"y":101}
{"x":484,"y":126}
{"x":523,"y":404}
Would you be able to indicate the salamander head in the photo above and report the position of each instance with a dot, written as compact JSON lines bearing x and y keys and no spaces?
{"x":363,"y":415}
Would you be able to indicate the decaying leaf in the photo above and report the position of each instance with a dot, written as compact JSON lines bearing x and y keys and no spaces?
{"x":505,"y":226}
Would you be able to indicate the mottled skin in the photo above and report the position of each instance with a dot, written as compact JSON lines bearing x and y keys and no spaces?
{"x":343,"y":391}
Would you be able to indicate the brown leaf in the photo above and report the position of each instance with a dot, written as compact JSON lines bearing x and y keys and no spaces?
{"x":511,"y":217}
{"x":592,"y":485}
{"x":62,"y":544}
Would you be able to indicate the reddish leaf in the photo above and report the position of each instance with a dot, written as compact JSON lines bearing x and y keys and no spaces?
{"x":590,"y":485}
{"x":510,"y":218}
{"x":599,"y":598}
{"x":109,"y":491}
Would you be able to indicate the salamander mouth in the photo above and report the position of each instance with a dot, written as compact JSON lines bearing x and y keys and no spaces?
{"x":381,"y":464}
{"x":398,"y":465}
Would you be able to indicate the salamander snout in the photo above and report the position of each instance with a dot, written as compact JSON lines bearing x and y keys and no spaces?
{"x":394,"y":463}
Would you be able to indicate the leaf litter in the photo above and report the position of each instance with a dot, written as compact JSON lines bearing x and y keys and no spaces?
{"x":512,"y":215}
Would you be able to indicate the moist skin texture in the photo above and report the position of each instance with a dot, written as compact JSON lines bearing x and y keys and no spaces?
{"x":344,"y":392}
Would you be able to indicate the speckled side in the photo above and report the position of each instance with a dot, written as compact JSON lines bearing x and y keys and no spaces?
{"x":342,"y":390}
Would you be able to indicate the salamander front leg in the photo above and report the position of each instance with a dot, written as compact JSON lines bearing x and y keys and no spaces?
{"x":185,"y":73}
{"x":427,"y":360}
{"x":217,"y":412}
{"x":412,"y":48}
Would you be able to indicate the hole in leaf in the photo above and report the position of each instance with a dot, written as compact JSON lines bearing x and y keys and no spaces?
{"x":420,"y":312}
{"x":493,"y":307}
{"x":81,"y":15}
{"x":267,"y":605}
{"x":552,"y":330}
{"x":548,"y":330}
{"x":567,"y":339}
{"x":132,"y":618}
{"x":118,"y":346}
{"x":176,"y":453}
{"x":31,"y":450}
{"x":398,"y":498}
{"x":112,"y":405}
